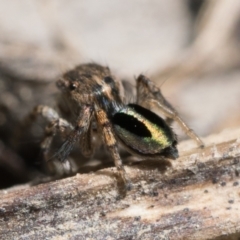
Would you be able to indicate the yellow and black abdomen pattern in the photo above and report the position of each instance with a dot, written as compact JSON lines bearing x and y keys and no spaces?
{"x":144,"y":132}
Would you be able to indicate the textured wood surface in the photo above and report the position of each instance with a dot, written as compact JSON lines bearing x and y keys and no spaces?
{"x":195,"y":197}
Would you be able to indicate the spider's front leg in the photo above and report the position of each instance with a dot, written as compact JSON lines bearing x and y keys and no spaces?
{"x":79,"y":133}
{"x":148,"y":94}
{"x":111,"y":143}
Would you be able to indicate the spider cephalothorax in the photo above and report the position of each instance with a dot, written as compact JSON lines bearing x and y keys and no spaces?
{"x":91,"y":96}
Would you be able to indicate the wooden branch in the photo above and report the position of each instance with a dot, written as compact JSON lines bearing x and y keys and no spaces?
{"x":195,"y":197}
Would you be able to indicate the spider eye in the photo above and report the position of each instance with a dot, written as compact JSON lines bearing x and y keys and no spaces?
{"x":72,"y":86}
{"x":144,"y":132}
{"x":108,"y":80}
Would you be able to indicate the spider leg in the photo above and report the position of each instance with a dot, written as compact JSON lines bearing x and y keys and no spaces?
{"x":46,"y":112}
{"x":56,"y":124}
{"x":63,"y":127}
{"x":111,"y":143}
{"x":86,"y":143}
{"x":149,"y":94}
{"x":59,"y":125}
{"x":76,"y":134}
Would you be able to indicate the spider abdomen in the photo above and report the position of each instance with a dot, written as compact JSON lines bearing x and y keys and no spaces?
{"x":143,"y":132}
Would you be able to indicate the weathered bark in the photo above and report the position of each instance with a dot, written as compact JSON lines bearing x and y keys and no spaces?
{"x":195,"y":197}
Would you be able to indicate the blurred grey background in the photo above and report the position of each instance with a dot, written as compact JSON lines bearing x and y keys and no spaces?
{"x":132,"y":37}
{"x":191,"y":48}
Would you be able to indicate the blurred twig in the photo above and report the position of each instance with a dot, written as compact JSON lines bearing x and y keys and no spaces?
{"x":215,"y":47}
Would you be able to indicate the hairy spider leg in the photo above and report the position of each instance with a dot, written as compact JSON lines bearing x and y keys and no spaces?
{"x":150,"y":94}
{"x":56,"y":125}
{"x":80,"y":131}
{"x":111,"y":143}
{"x":85,"y":142}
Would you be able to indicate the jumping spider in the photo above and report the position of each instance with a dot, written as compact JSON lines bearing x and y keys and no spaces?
{"x":92,"y":104}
